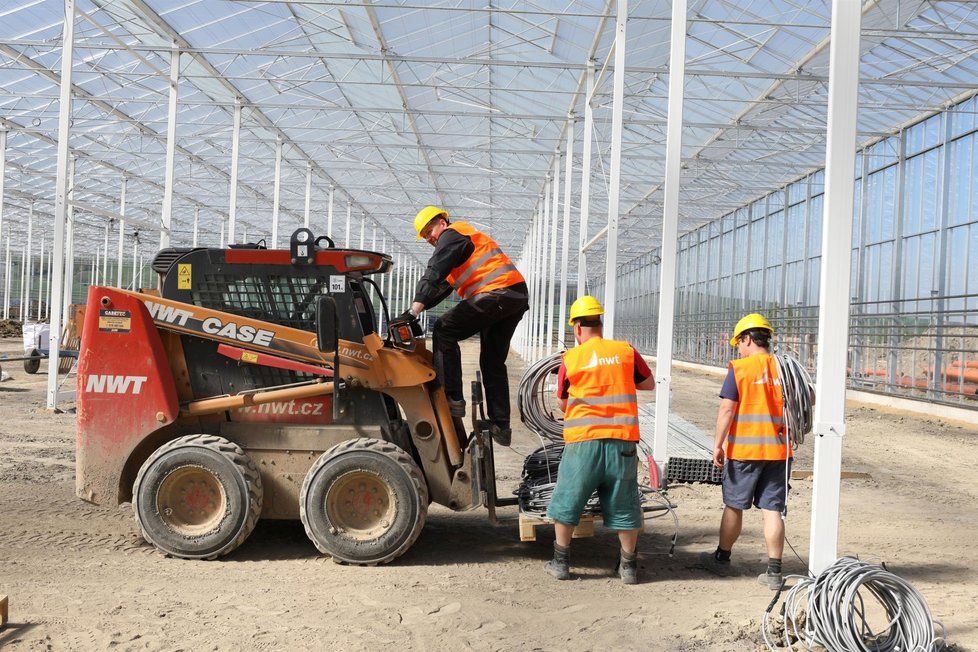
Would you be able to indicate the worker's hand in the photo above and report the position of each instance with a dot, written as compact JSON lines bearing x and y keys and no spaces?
{"x":406,"y":316}
{"x":718,"y":457}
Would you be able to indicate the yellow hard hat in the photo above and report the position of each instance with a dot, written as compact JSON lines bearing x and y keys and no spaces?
{"x":425,"y":215}
{"x":586,"y":306}
{"x":753,"y":320}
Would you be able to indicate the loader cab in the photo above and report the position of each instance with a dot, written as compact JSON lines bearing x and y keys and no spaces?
{"x":279,"y":286}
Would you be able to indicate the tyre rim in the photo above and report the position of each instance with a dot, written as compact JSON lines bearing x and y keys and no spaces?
{"x":361,"y":505}
{"x":191,"y":501}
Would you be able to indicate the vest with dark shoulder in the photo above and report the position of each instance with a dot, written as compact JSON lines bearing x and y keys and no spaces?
{"x":601,"y":399}
{"x":487,"y":269}
{"x":757,"y":431}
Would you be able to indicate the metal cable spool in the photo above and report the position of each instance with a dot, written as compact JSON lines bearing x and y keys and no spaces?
{"x":536,"y":401}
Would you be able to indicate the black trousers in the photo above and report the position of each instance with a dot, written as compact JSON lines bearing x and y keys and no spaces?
{"x":494,"y":315}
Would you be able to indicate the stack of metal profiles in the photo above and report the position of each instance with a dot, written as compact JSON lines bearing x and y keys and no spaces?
{"x":690,"y":450}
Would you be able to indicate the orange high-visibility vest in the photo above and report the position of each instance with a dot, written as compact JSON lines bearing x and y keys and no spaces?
{"x":757,"y":431}
{"x":601,"y":400}
{"x":488,"y":268}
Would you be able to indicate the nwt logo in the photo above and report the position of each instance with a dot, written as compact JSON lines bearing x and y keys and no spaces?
{"x":106,"y":384}
{"x":595,"y":361}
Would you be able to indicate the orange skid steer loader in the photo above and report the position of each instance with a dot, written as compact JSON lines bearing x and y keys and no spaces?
{"x":252,"y":385}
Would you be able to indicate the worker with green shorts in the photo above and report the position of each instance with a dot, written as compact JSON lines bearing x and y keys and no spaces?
{"x":596,"y":387}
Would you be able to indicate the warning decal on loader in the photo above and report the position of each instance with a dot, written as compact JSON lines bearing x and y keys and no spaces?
{"x":114,"y":321}
{"x":184,"y":276}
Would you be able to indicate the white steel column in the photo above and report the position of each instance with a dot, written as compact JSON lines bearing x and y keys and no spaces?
{"x":305,"y":218}
{"x":565,"y":236}
{"x":61,"y":198}
{"x":585,"y":182}
{"x":40,"y":280}
{"x":47,"y":311}
{"x":6,"y":282}
{"x":122,"y":232}
{"x":233,"y":200}
{"x":171,"y":148}
{"x":552,"y":258}
{"x":222,"y":236}
{"x":23,"y":282}
{"x":329,"y":213}
{"x":670,"y":234}
{"x":611,"y":257}
{"x":69,"y":253}
{"x":833,"y":318}
{"x":3,"y":174}
{"x":196,"y":223}
{"x":349,"y":211}
{"x":363,"y":222}
{"x":277,"y":193}
{"x":105,"y":249}
{"x":135,"y":264}
{"x":544,"y":275}
{"x":29,"y":263}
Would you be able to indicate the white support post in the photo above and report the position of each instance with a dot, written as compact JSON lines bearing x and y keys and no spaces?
{"x":196,"y":223}
{"x":6,"y":282}
{"x":23,"y":283}
{"x":40,"y":281}
{"x":363,"y":222}
{"x":670,"y":234}
{"x":69,"y":247}
{"x":135,"y":265}
{"x":51,"y":257}
{"x":277,"y":193}
{"x":221,"y":241}
{"x":105,"y":251}
{"x":565,"y":235}
{"x":233,"y":200}
{"x":171,"y":148}
{"x":61,"y":197}
{"x":611,"y":255}
{"x":122,"y":232}
{"x":3,"y":175}
{"x":585,"y":182}
{"x":329,"y":213}
{"x":305,"y":219}
{"x":29,"y":263}
{"x":349,"y":211}
{"x":833,"y":318}
{"x":552,"y":258}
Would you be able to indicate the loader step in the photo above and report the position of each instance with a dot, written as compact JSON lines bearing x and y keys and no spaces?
{"x":529,"y":524}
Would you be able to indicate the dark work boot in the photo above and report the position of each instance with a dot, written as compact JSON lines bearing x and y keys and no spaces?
{"x":628,"y":567}
{"x":559,"y":566}
{"x":501,"y":435}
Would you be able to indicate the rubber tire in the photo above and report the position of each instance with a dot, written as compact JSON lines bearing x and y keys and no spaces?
{"x":391,"y":466}
{"x":31,"y":366}
{"x":228,"y":464}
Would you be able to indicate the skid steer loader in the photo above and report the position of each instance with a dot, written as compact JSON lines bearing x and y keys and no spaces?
{"x":254,"y":384}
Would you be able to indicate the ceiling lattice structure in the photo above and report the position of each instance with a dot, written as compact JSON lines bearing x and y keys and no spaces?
{"x":395,"y":105}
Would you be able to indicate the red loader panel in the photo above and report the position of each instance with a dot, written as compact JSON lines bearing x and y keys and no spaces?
{"x":125,"y":390}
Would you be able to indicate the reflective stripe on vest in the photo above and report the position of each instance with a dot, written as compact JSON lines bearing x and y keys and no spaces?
{"x":487,"y":269}
{"x":757,"y":431}
{"x":601,"y":399}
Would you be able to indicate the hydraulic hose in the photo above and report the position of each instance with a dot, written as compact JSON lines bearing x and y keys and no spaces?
{"x":535,"y":398}
{"x":830,"y":611}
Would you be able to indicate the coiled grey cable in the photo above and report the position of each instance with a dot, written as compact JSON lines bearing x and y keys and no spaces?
{"x":537,"y":389}
{"x":796,"y":388}
{"x":829,"y":611}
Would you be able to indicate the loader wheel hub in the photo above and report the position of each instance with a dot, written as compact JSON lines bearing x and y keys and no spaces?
{"x":191,"y":501}
{"x":361,"y":504}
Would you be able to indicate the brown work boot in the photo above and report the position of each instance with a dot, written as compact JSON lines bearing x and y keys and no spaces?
{"x":559,"y":566}
{"x":628,"y":567}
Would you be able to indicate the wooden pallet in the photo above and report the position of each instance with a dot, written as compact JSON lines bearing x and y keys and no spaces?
{"x":529,"y":524}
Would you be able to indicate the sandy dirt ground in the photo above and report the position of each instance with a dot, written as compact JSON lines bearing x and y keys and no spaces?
{"x":80,"y":577}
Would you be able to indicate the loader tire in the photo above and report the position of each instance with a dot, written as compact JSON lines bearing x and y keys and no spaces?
{"x":197,"y":497}
{"x":32,"y":364}
{"x":364,"y":502}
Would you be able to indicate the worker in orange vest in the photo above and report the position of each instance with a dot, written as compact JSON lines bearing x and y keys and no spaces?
{"x":751,"y":447}
{"x":494,"y":297}
{"x":596,"y":386}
